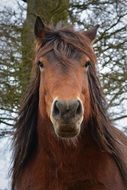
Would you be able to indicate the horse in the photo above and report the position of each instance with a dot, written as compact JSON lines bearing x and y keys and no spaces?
{"x":64,"y":138}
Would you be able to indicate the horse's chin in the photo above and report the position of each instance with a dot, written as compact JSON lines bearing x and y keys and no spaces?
{"x":67,"y":134}
{"x":67,"y":131}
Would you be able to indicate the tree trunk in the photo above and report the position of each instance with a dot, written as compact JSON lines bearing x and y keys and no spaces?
{"x":51,"y":12}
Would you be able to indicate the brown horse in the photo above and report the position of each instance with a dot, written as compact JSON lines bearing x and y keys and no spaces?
{"x":64,"y":139}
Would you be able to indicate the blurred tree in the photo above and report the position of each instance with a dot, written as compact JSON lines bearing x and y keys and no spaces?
{"x":17,"y":42}
{"x":10,"y":60}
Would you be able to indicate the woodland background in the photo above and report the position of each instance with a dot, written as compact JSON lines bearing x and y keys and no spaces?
{"x":17,"y":19}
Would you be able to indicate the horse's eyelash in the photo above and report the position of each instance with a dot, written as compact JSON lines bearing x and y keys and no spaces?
{"x":87,"y":63}
{"x":40,"y":64}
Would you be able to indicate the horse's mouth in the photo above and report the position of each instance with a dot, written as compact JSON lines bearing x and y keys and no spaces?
{"x":67,"y":134}
{"x":67,"y":131}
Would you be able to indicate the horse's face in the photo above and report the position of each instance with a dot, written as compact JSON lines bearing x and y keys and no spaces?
{"x":64,"y":91}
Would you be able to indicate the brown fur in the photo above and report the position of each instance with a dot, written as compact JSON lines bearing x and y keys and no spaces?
{"x":96,"y":159}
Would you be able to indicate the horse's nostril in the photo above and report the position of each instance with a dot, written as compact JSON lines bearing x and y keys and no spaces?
{"x":56,"y":108}
{"x":79,"y":108}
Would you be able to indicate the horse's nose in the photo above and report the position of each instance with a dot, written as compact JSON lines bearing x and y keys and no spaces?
{"x":66,"y":110}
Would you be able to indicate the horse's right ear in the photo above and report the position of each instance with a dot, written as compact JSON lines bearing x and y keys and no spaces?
{"x":39,"y":28}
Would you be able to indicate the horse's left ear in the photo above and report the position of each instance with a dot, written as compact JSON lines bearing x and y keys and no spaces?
{"x":39,"y":28}
{"x":91,"y":34}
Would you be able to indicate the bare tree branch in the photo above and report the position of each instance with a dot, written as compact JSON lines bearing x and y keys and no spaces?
{"x":119,"y":118}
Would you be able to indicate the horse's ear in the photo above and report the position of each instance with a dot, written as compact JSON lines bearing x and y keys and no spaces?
{"x":91,"y":34}
{"x":39,"y":28}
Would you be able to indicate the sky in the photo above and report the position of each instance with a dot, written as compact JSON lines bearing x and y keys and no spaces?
{"x":5,"y":157}
{"x":7,"y":3}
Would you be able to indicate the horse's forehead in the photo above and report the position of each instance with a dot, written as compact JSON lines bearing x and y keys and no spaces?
{"x":65,"y":49}
{"x":75,"y":56}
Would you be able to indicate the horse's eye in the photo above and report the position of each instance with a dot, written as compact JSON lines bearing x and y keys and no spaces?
{"x":40,"y":64}
{"x":87,"y":64}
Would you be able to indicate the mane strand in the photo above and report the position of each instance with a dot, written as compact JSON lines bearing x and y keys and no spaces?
{"x":24,"y":139}
{"x":100,"y":125}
